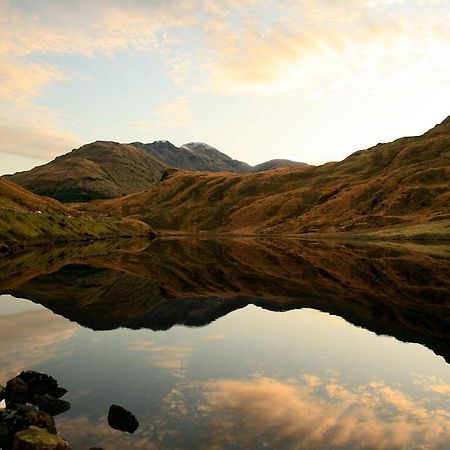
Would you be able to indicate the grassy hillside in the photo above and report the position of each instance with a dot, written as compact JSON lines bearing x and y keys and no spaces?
{"x":26,"y":218}
{"x":400,"y":183}
{"x":97,"y":170}
{"x":104,"y":170}
{"x":276,"y":164}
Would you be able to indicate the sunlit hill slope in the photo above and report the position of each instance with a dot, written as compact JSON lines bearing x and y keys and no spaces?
{"x":402,"y":182}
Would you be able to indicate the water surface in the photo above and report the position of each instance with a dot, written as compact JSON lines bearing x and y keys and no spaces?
{"x":237,"y":343}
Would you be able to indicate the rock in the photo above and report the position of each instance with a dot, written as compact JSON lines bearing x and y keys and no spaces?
{"x":41,"y":383}
{"x":41,"y":419}
{"x":49,"y":404}
{"x":121,"y":419}
{"x":35,"y":438}
{"x":2,"y":393}
{"x":4,"y":434}
{"x":16,"y":391}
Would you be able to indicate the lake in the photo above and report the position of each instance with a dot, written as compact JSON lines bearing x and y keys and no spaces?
{"x":237,"y":343}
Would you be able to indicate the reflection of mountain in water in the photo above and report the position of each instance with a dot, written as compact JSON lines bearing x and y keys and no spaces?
{"x":193,"y":282}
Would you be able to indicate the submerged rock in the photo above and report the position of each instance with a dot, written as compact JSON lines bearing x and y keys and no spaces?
{"x":121,"y":419}
{"x":35,"y":438}
{"x":49,"y":404}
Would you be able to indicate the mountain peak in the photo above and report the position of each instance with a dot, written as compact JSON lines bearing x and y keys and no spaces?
{"x":440,"y":128}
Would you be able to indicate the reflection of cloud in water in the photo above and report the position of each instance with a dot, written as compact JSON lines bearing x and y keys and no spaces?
{"x":31,"y":338}
{"x":172,"y":358}
{"x":317,"y":414}
{"x":87,"y":433}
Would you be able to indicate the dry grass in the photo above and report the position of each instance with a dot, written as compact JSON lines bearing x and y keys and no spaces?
{"x":396,"y":184}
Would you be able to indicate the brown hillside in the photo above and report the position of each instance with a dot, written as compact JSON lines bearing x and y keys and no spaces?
{"x":405,"y":181}
{"x":97,"y":170}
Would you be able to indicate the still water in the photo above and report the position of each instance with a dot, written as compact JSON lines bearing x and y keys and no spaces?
{"x":256,"y":371}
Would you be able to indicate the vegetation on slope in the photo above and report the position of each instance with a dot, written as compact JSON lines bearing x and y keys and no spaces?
{"x":103,"y":170}
{"x":26,"y":218}
{"x":94,"y":171}
{"x":399,"y":183}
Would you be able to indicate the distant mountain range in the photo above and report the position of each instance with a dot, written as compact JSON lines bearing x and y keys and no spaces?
{"x":398,"y":183}
{"x":103,"y":170}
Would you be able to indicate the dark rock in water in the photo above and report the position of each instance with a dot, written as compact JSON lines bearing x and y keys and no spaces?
{"x":49,"y":404}
{"x":35,"y":438}
{"x":16,"y":391}
{"x":41,"y":383}
{"x":2,"y":393}
{"x":121,"y":419}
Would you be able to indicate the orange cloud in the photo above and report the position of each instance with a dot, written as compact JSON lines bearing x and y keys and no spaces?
{"x":279,"y":414}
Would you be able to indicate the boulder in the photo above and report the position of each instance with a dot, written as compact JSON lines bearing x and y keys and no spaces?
{"x":2,"y":393}
{"x":41,"y":419}
{"x":121,"y":419}
{"x":16,"y":391}
{"x":41,"y":383}
{"x":35,"y":438}
{"x":50,"y":404}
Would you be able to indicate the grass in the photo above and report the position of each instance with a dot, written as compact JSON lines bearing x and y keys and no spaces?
{"x":19,"y":229}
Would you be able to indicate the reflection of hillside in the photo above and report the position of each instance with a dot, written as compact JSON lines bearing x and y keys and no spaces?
{"x":193,"y":282}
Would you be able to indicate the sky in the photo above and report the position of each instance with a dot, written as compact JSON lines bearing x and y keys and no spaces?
{"x":308,"y":80}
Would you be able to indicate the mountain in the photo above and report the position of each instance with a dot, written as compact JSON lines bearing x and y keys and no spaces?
{"x":195,"y":156}
{"x":104,"y":169}
{"x":27,"y":218}
{"x":277,"y":164}
{"x":98,"y":170}
{"x":398,"y":183}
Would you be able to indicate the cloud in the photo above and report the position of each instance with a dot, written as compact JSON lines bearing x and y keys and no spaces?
{"x":175,"y":113}
{"x":317,"y":414}
{"x":42,"y":143}
{"x":31,"y":338}
{"x":317,"y":46}
{"x":172,"y":358}
{"x":84,"y":28}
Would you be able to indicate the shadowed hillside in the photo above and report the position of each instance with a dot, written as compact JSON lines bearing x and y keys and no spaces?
{"x":399,"y":183}
{"x":193,"y":282}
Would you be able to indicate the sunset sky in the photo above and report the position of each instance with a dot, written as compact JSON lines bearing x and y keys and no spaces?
{"x":309,"y":80}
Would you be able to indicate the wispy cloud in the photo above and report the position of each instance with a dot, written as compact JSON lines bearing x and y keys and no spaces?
{"x":316,"y":413}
